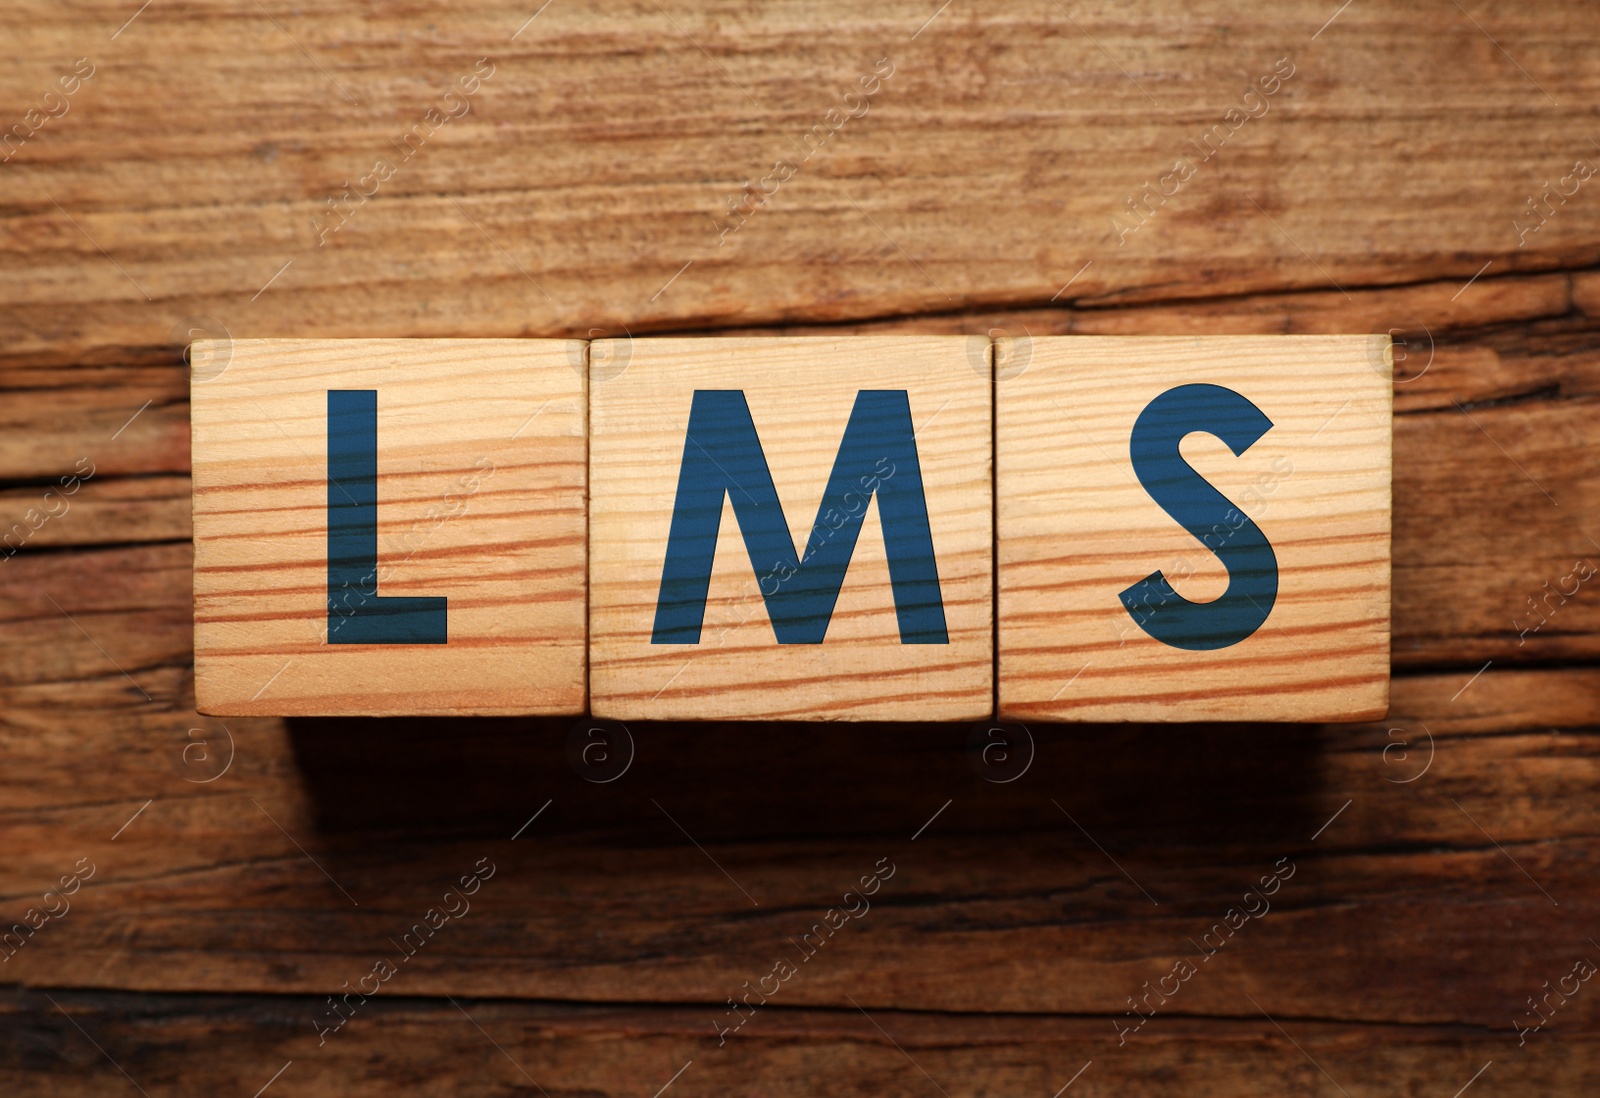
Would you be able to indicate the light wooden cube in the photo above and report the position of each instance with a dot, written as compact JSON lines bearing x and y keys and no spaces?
{"x":1085,"y":635}
{"x":895,"y":645}
{"x":468,"y":510}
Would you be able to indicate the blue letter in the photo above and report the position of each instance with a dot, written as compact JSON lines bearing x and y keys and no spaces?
{"x":1206,"y":513}
{"x":722,"y":455}
{"x":356,"y":614}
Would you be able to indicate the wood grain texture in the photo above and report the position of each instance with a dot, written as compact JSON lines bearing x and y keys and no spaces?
{"x":1078,"y":525}
{"x":1404,"y":890}
{"x":203,"y":891}
{"x":801,"y":394}
{"x":606,"y":151}
{"x":436,"y":1048}
{"x":481,"y":467}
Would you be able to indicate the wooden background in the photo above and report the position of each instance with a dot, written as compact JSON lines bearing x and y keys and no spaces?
{"x":580,"y":193}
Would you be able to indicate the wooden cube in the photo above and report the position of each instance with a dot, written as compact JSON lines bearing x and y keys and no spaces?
{"x":794,"y":529}
{"x":1195,"y":529}
{"x":391,"y":527}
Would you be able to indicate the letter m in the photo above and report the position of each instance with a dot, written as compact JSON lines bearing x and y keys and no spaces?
{"x":722,"y":457}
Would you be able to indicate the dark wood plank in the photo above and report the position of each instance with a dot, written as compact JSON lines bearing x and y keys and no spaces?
{"x":58,"y":513}
{"x":175,"y":1045}
{"x":203,"y":891}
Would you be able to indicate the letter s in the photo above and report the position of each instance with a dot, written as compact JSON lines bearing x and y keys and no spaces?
{"x":1189,"y":498}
